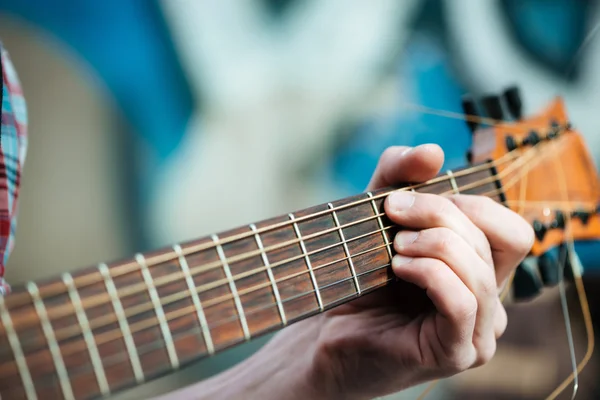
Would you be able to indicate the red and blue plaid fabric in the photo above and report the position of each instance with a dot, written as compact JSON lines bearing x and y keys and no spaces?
{"x":13,"y":148}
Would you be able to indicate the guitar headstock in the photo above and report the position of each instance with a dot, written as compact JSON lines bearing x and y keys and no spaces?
{"x":547,"y":173}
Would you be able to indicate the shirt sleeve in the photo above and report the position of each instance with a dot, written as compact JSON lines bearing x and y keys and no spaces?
{"x":13,"y":148}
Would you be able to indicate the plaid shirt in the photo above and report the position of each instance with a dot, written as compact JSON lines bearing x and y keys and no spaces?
{"x":13,"y":147}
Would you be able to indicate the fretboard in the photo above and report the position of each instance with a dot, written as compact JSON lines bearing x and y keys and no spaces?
{"x":105,"y":328}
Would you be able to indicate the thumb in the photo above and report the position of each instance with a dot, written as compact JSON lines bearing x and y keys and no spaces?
{"x":401,"y":164}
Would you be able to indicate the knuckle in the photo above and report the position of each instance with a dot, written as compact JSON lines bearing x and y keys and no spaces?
{"x":500,"y":321}
{"x":434,"y":208}
{"x":488,"y":289}
{"x":477,"y":205}
{"x":389,"y":154}
{"x":461,"y":359}
{"x":487,"y":285}
{"x":441,"y":239}
{"x":485,"y":353}
{"x":440,"y":209}
{"x":467,"y":307}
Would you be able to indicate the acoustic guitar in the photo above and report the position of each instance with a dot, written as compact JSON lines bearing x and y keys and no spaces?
{"x":105,"y":328}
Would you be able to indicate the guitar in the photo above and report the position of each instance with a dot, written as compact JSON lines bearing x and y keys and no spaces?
{"x":102,"y":329}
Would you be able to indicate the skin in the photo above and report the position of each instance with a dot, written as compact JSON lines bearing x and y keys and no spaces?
{"x":443,"y":316}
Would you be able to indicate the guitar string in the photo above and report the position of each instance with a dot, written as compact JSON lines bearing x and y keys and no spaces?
{"x":54,"y":313}
{"x":100,"y":341}
{"x":580,"y":288}
{"x":212,"y":327}
{"x":196,"y":330}
{"x":183,"y":294}
{"x":217,"y":301}
{"x":561,"y":284}
{"x":17,"y":299}
{"x":119,"y":270}
{"x":65,"y":333}
{"x":569,"y":251}
{"x":99,"y":299}
{"x":47,"y":380}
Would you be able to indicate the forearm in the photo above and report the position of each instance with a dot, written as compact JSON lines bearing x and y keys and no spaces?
{"x":281,"y":369}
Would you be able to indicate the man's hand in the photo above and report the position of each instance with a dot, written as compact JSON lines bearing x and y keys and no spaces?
{"x":457,"y":251}
{"x":442,"y":317}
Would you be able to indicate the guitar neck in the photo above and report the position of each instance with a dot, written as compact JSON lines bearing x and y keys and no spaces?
{"x":101,"y":329}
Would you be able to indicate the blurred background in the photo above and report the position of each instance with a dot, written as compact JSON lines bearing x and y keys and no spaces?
{"x":154,"y":122}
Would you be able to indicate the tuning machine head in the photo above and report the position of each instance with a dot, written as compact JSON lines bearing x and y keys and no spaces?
{"x":526,"y":283}
{"x":470,"y":110}
{"x":499,"y":107}
{"x":512,"y":99}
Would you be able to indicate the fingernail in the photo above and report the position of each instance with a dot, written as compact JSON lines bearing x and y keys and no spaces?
{"x":400,"y":201}
{"x":405,"y":238}
{"x":399,"y":260}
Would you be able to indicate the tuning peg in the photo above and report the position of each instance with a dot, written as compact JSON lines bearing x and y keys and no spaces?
{"x":559,"y":220}
{"x":539,"y":229}
{"x":532,"y":139}
{"x":511,"y":143}
{"x":469,"y":109}
{"x":583,"y":216}
{"x":469,"y":156}
{"x":512,"y":98}
{"x":526,"y":283}
{"x":549,"y":271}
{"x":493,"y":107}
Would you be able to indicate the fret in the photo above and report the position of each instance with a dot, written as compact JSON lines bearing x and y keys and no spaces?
{"x":308,"y":263}
{"x":381,"y":225}
{"x":17,"y":350}
{"x":269,"y":273}
{"x":232,"y":287}
{"x":123,"y":324}
{"x":480,"y":182}
{"x":158,"y":309}
{"x":196,"y":299}
{"x":53,"y":346}
{"x":345,"y":245}
{"x":88,"y":335}
{"x":453,"y":182}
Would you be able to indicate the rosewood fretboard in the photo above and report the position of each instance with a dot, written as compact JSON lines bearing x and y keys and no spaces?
{"x":105,"y":328}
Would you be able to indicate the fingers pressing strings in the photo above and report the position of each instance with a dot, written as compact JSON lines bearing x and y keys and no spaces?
{"x":95,"y":323}
{"x":385,"y":266}
{"x":86,"y":280}
{"x":522,"y":167}
{"x":508,"y":158}
{"x":148,"y":324}
{"x":133,"y":289}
